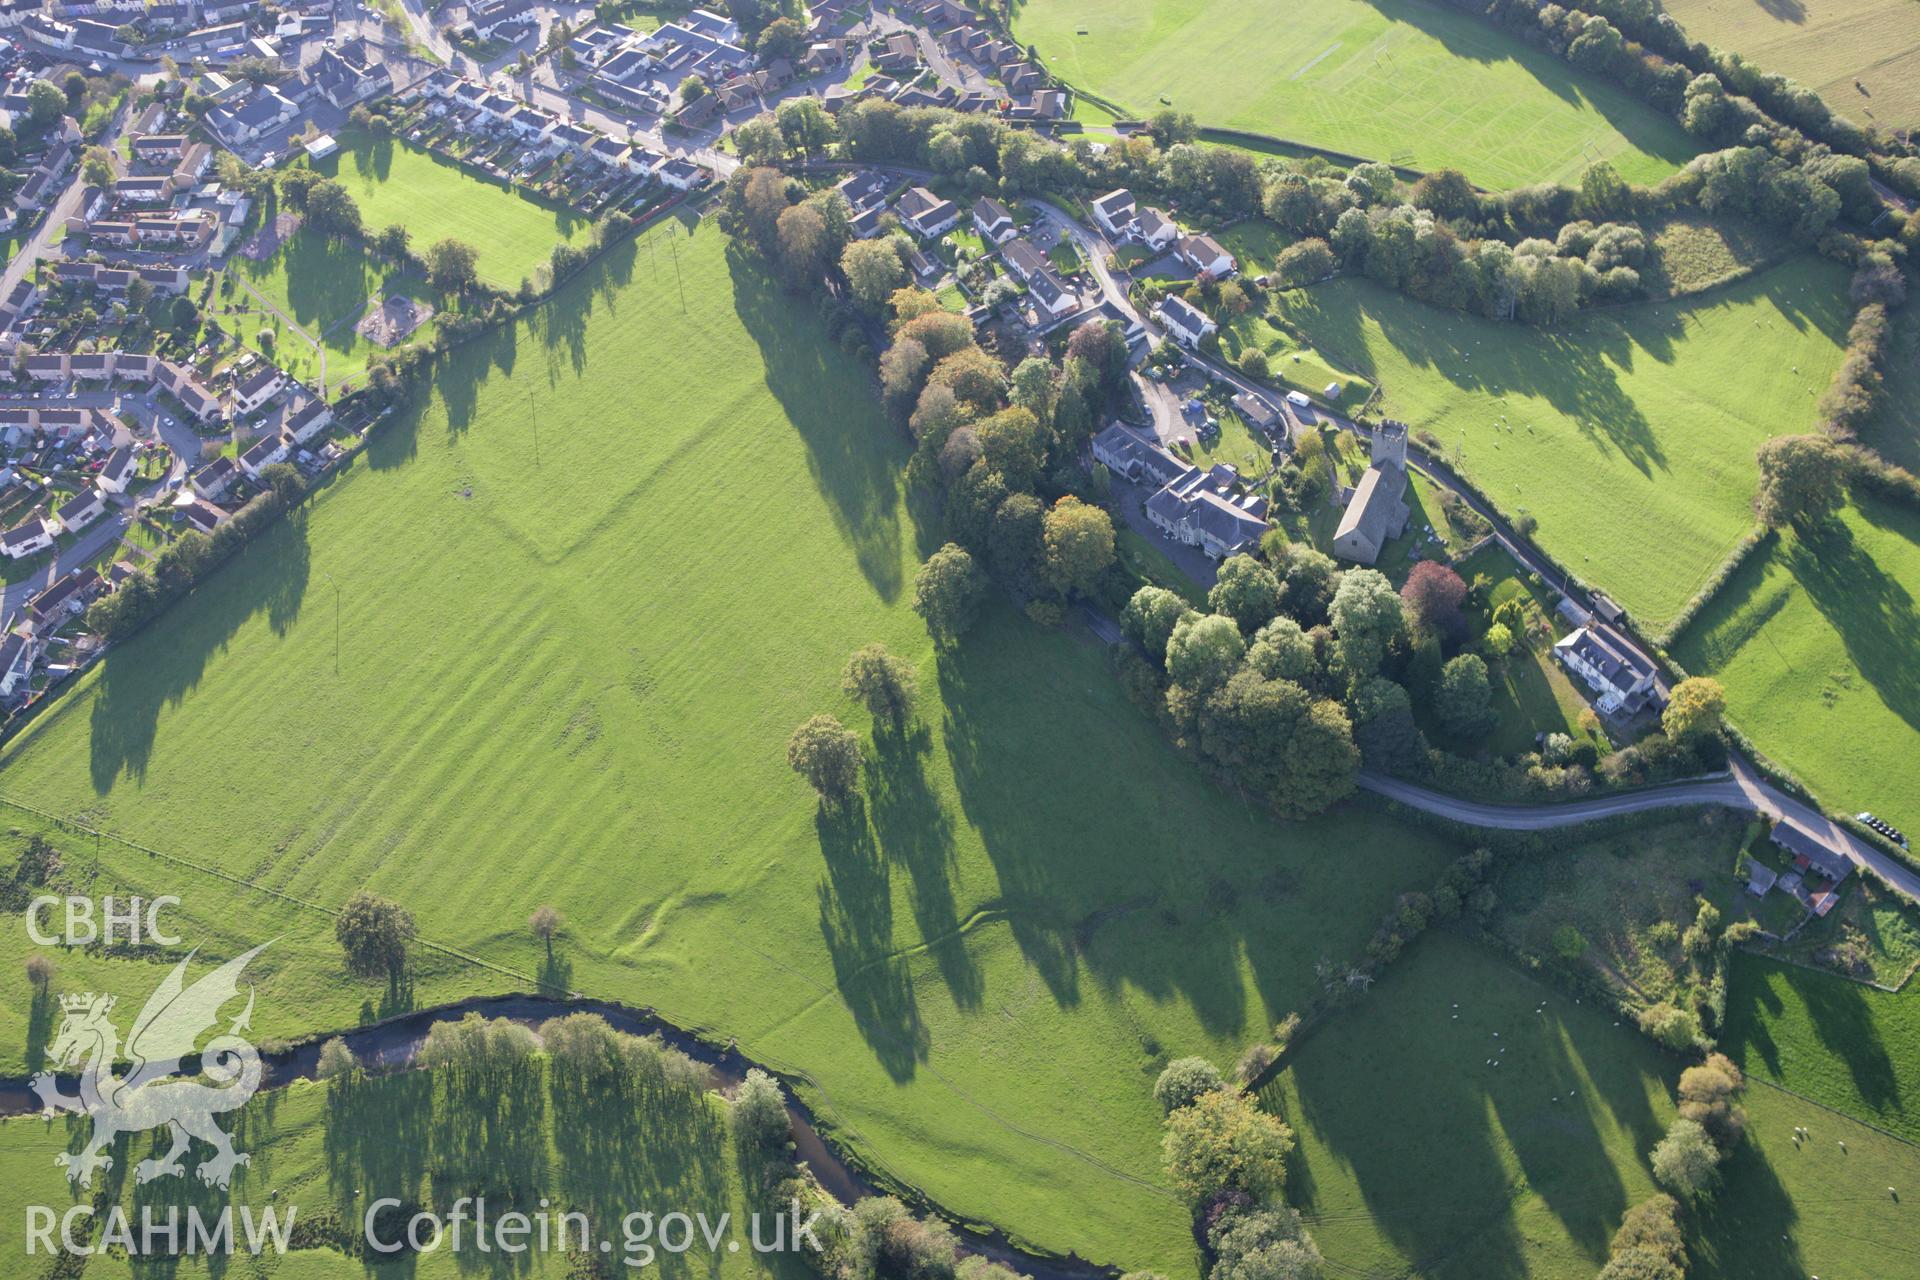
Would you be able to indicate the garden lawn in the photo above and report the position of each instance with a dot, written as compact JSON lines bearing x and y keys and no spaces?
{"x":1418,"y":83}
{"x":570,"y":677}
{"x":1531,"y":691}
{"x":1629,"y":435}
{"x":394,"y":181}
{"x":1826,"y":45}
{"x":1417,"y":1157}
{"x":1817,"y":640}
{"x":1291,"y":364}
{"x":325,"y":285}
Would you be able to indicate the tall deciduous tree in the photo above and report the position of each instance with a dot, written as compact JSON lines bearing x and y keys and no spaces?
{"x":1464,"y":698}
{"x":1246,"y":591}
{"x":1223,"y":1142}
{"x":873,"y":270}
{"x":1078,"y":546}
{"x":882,"y":682}
{"x":827,"y":754}
{"x":1433,"y":594}
{"x":1694,"y":708}
{"x":375,"y":933}
{"x":451,"y":265}
{"x":1150,"y":617}
{"x":1367,"y":618}
{"x":947,"y":592}
{"x":1802,"y":479}
{"x":1203,"y":651}
{"x":1686,"y":1162}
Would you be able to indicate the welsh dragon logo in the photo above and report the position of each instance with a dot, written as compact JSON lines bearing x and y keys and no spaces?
{"x":154,"y":1092}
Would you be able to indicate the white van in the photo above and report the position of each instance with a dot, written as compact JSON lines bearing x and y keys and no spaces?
{"x":1299,"y":400}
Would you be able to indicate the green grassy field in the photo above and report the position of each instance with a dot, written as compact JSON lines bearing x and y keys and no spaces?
{"x":1815,"y":641}
{"x":325,"y":285}
{"x":1826,"y":45}
{"x":1416,"y":1157}
{"x":393,"y":181}
{"x":427,"y":1139}
{"x":570,"y":679}
{"x":1894,"y":429}
{"x":1419,"y":83}
{"x":1629,"y":435}
{"x":1838,"y":1042}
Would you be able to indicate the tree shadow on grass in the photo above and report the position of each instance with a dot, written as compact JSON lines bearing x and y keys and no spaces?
{"x":854,"y":456}
{"x":1564,"y":368}
{"x":488,"y":1136}
{"x":327,"y":279}
{"x":164,"y":662}
{"x":1746,"y":1231}
{"x":561,"y":323}
{"x":1846,"y":1027}
{"x":643,"y":1143}
{"x":1406,"y":1112}
{"x":856,"y":920}
{"x":1872,"y":611}
{"x":915,"y":832}
{"x":377,"y":1136}
{"x":459,"y":375}
{"x":40,"y":1026}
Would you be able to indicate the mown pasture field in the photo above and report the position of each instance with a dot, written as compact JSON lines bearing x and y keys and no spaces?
{"x":324,"y":285}
{"x":1628,"y":434}
{"x":1815,"y":639}
{"x":394,"y":181}
{"x":1418,"y":1157}
{"x":1826,"y":45}
{"x":568,"y":675}
{"x":1418,"y":83}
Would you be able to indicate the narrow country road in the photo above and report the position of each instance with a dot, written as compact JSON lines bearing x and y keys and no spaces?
{"x":1741,"y":789}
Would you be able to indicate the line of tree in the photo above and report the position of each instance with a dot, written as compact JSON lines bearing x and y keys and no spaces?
{"x":1650,"y":1244}
{"x":1535,"y":253}
{"x":1647,"y":51}
{"x":1227,"y":1157}
{"x":1710,"y":1124}
{"x":186,"y":561}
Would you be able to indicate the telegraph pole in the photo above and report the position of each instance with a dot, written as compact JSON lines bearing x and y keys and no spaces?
{"x":336,"y":623}
{"x":673,"y":242}
{"x":533,"y":415}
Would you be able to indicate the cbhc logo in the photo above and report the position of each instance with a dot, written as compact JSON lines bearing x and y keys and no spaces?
{"x":133,"y":920}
